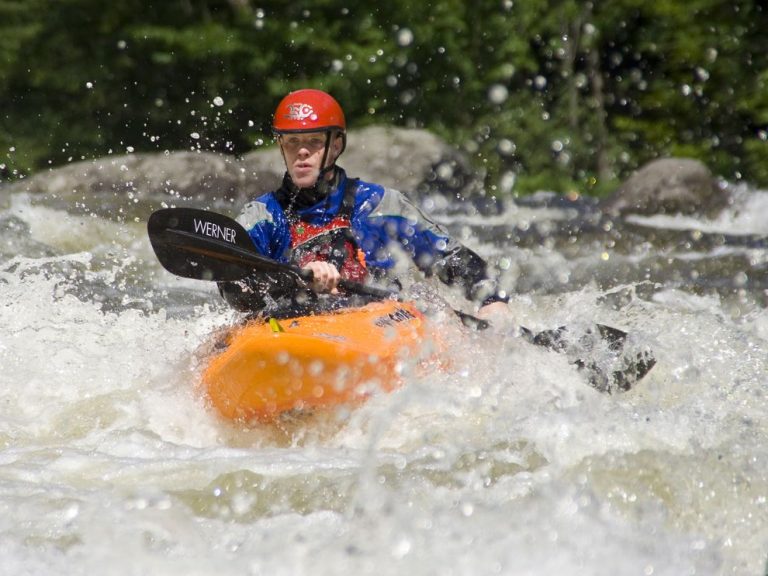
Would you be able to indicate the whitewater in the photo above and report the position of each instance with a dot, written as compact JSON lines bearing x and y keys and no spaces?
{"x":506,"y":462}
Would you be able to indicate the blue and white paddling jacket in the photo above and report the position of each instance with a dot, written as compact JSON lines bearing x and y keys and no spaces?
{"x":380,"y":223}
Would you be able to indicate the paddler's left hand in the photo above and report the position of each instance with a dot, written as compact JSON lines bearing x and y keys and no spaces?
{"x":325,"y":276}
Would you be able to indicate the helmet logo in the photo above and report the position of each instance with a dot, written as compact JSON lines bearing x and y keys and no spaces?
{"x":299,"y":111}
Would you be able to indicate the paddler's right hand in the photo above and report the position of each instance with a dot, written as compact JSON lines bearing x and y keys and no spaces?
{"x":325,"y":276}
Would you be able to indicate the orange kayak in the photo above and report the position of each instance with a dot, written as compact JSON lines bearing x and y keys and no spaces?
{"x":333,"y":359}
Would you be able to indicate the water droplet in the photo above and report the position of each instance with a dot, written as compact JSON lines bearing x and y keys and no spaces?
{"x":405,"y":37}
{"x":402,"y":548}
{"x":444,"y":171}
{"x":218,"y":101}
{"x":740,"y":279}
{"x":498,"y":94}
{"x":507,"y":182}
{"x":506,"y":147}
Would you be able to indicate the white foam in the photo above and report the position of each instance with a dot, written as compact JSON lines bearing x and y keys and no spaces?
{"x":504,"y":462}
{"x":745,"y":216}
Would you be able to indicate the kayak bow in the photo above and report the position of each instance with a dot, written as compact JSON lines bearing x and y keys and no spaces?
{"x":322,"y":361}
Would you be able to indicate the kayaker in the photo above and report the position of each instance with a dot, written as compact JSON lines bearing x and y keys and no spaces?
{"x":341,"y":227}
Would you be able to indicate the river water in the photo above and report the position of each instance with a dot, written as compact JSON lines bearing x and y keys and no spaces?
{"x":507,"y":462}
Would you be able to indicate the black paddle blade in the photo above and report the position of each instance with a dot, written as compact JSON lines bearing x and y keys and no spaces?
{"x":601,"y":353}
{"x":203,"y":245}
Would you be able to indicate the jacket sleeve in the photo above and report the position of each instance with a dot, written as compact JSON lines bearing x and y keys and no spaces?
{"x":258,"y":290}
{"x":434,"y":251}
{"x":465,"y":268}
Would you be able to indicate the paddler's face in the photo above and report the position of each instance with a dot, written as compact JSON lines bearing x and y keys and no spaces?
{"x":304,"y":155}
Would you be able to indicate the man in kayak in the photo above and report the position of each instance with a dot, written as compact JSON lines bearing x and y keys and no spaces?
{"x":340,"y":227}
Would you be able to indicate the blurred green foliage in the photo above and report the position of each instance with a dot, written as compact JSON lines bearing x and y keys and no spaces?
{"x":555,"y":94}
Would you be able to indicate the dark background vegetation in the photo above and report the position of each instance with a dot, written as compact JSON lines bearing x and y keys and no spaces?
{"x":554,"y":94}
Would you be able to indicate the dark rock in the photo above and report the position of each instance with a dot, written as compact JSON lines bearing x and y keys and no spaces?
{"x":668,"y":185}
{"x":197,"y":176}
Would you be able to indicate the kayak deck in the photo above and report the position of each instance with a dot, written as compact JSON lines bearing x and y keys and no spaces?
{"x":337,"y":359}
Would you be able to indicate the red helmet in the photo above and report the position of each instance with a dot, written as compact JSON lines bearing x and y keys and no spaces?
{"x":308,"y":110}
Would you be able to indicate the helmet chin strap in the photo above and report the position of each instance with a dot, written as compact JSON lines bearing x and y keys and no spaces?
{"x":324,"y":171}
{"x":323,"y":184}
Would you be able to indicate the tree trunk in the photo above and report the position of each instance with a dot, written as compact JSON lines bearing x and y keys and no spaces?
{"x":601,"y":133}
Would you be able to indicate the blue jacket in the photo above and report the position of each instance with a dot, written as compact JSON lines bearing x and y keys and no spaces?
{"x":384,"y":222}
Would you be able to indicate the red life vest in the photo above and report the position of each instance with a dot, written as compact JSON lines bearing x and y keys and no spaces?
{"x":332,"y":242}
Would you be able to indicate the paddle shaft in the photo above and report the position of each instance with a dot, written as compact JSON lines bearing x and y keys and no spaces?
{"x":225,"y":251}
{"x":208,"y":246}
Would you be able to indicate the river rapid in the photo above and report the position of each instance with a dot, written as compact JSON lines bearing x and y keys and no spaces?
{"x":507,"y":462}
